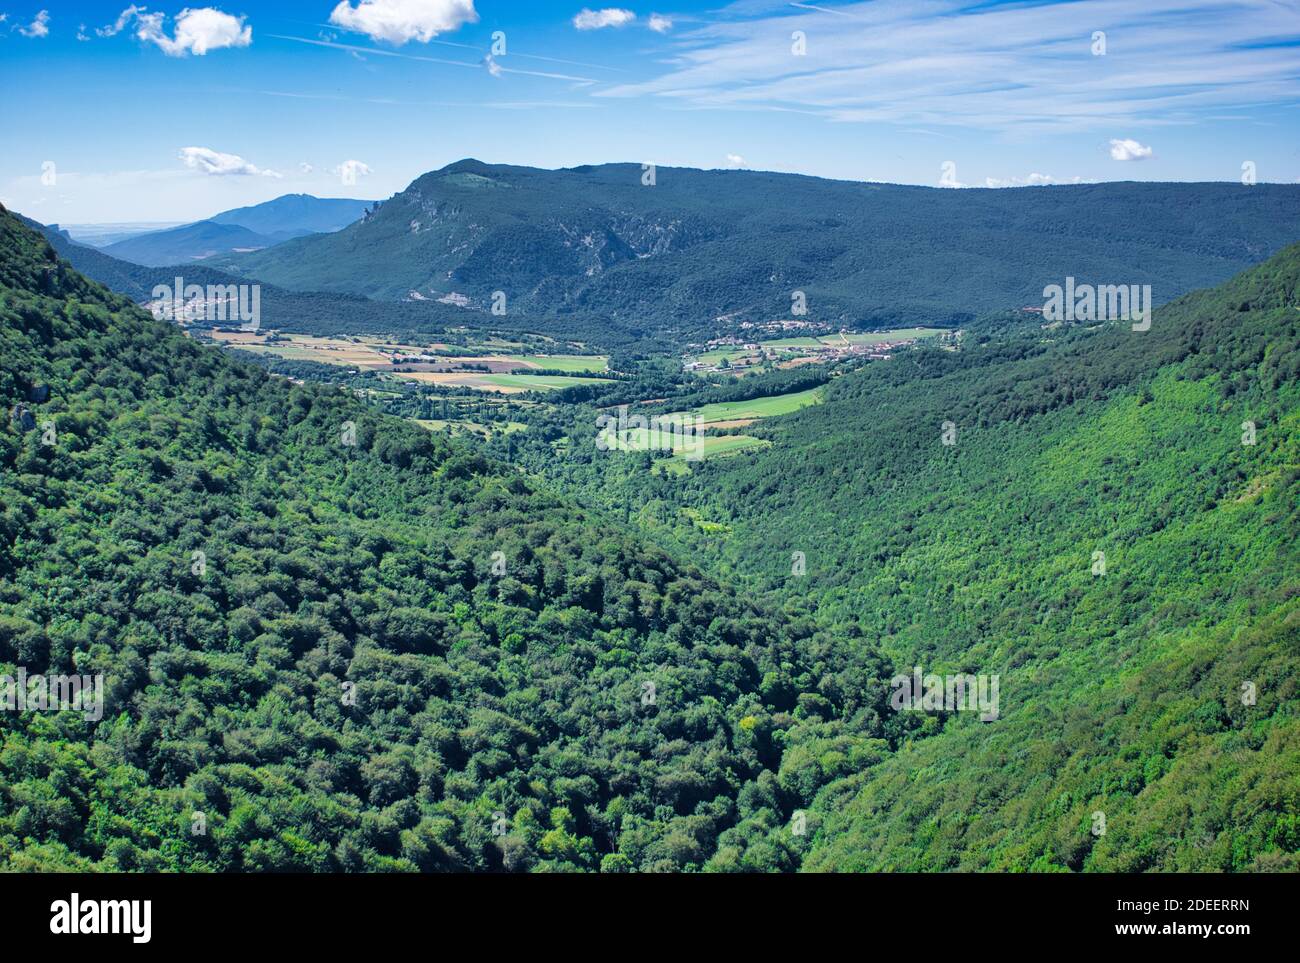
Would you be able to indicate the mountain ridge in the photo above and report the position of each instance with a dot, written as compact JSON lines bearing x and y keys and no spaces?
{"x":701,"y":249}
{"x":245,"y":228}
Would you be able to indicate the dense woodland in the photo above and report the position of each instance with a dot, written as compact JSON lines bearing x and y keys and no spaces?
{"x":1122,"y":693}
{"x":503,"y":721}
{"x":368,"y":567}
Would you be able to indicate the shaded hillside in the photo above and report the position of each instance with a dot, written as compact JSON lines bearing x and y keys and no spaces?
{"x":331,"y":313}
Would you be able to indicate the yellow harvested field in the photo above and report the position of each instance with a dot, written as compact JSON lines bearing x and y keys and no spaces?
{"x":339,"y":351}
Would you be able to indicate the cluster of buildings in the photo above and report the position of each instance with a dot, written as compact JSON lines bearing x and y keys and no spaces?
{"x":739,"y":355}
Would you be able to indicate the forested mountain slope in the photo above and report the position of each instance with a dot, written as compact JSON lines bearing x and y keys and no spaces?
{"x":702,"y":244}
{"x":1122,"y":685}
{"x":368,"y":568}
{"x":618,"y":709}
{"x":329,"y":313}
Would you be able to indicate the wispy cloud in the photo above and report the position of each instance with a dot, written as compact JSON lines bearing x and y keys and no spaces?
{"x":120,"y":24}
{"x":1032,"y":180}
{"x":472,"y":64}
{"x":993,"y":66}
{"x":463,"y":104}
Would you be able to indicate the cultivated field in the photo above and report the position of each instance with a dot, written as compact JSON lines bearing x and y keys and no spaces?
{"x":436,"y":360}
{"x":502,"y":383}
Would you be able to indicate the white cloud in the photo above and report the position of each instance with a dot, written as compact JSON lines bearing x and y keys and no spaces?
{"x":1128,"y":150}
{"x":599,"y":19}
{"x":735,"y":160}
{"x":400,"y":21}
{"x":305,"y":168}
{"x":352,"y":170}
{"x":39,"y":27}
{"x":659,"y":23}
{"x":197,"y":31}
{"x":1033,"y":180}
{"x":218,"y":164}
{"x":123,"y":18}
{"x":492,"y":66}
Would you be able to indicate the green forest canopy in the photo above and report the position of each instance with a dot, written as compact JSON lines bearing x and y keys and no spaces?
{"x":611,"y":705}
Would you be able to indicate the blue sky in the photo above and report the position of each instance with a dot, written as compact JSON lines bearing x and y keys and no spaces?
{"x":118,"y":113}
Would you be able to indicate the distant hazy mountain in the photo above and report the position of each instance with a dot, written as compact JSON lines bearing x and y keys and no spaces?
{"x":193,"y":242}
{"x":102,"y":235}
{"x":696,"y":245}
{"x":241,"y":230}
{"x":294,"y":215}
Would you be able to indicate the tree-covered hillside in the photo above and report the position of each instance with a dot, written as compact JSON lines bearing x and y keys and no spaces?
{"x":1124,"y":675}
{"x":351,"y":677}
{"x":701,"y":245}
{"x":391,"y":654}
{"x":332,"y":313}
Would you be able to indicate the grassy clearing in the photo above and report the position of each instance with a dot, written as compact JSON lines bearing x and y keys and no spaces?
{"x":878,"y":337}
{"x":684,"y":451}
{"x":562,"y":362}
{"x":769,"y":407}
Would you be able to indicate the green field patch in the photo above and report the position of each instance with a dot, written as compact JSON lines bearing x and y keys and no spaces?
{"x":879,"y":337}
{"x":562,"y":362}
{"x":804,"y":342}
{"x":768,"y":407}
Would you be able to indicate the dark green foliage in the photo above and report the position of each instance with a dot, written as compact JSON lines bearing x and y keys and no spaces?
{"x":1120,"y":693}
{"x":331,"y":569}
{"x":501,"y":721}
